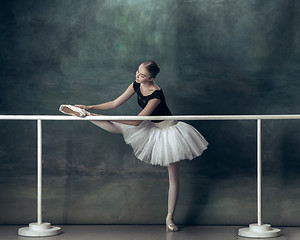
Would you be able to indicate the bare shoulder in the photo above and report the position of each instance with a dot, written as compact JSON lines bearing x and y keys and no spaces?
{"x":156,"y":87}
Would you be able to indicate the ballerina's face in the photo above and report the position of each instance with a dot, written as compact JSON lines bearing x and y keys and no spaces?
{"x":142,"y":75}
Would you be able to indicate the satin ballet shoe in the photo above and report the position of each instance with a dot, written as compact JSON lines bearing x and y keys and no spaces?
{"x":73,"y":111}
{"x":172,"y":227}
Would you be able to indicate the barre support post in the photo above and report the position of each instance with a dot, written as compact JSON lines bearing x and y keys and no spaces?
{"x":39,"y":229}
{"x":259,"y":172}
{"x":259,"y":230}
{"x":39,"y":173}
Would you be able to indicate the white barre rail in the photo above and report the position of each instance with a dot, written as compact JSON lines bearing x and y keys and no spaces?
{"x":258,"y":230}
{"x":177,"y":117}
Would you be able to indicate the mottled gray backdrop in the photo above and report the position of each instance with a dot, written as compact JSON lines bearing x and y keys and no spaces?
{"x":216,"y":57}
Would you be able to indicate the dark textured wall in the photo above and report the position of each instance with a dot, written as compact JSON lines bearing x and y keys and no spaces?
{"x":216,"y":57}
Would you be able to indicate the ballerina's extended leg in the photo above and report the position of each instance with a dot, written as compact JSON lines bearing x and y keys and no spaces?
{"x":107,"y":125}
{"x":79,"y":112}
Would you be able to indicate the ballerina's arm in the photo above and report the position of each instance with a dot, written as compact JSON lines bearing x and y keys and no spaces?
{"x":151,"y":105}
{"x":112,"y":104}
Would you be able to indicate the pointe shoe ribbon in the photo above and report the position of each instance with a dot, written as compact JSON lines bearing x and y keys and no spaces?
{"x":73,"y":111}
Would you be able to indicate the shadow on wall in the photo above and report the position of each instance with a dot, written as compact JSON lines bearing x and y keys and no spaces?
{"x":290,"y":151}
{"x":209,"y":187}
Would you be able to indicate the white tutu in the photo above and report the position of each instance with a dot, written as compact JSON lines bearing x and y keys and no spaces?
{"x":164,"y":142}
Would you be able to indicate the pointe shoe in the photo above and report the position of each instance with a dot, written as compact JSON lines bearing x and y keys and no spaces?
{"x":73,"y":111}
{"x":171,"y":227}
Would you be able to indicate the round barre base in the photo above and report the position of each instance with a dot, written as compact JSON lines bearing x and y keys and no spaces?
{"x":259,"y":231}
{"x":39,"y":230}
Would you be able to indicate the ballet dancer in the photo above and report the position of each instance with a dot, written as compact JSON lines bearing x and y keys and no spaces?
{"x":156,"y":142}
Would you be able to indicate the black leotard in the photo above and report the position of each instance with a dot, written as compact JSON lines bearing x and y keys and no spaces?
{"x":161,"y":109}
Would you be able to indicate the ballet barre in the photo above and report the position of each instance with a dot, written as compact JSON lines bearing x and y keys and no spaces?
{"x":255,"y":230}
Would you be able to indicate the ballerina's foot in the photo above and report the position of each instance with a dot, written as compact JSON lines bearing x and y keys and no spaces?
{"x":171,"y":227}
{"x":73,"y":111}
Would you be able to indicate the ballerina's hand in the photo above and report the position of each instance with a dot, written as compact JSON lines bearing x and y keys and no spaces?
{"x":82,"y":106}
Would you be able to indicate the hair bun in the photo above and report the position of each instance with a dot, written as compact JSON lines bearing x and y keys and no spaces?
{"x":152,"y":68}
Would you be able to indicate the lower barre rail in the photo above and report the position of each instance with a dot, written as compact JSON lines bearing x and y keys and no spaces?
{"x":40,"y":229}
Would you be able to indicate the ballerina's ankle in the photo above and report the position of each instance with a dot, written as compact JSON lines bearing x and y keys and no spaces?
{"x":170,"y":225}
{"x":169,"y":216}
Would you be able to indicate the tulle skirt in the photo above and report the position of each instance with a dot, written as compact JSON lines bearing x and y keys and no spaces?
{"x":164,"y":142}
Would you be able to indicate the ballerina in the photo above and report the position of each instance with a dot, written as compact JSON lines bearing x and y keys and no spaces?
{"x":156,"y":142}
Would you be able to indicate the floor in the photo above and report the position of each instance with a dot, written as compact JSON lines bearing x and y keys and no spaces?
{"x":145,"y":232}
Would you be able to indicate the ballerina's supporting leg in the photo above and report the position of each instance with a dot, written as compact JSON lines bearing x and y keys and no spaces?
{"x":173,"y":169}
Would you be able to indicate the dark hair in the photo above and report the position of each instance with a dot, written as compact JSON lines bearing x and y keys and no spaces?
{"x":152,"y":68}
